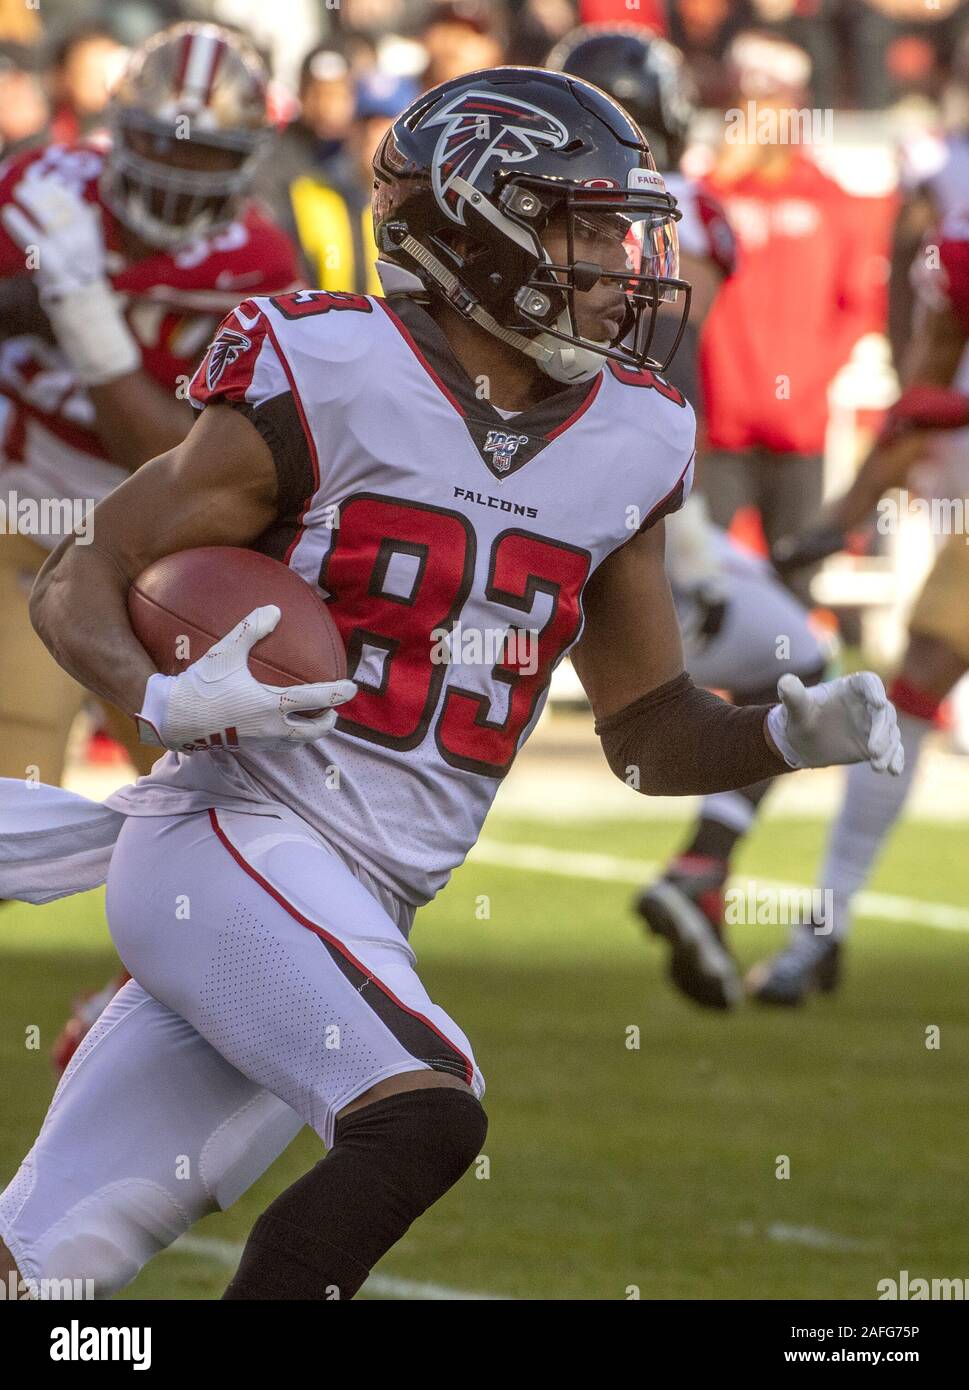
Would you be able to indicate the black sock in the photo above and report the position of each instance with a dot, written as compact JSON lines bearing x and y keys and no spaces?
{"x":715,"y":840}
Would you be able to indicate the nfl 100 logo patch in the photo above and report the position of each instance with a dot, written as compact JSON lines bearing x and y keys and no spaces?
{"x":503,"y":447}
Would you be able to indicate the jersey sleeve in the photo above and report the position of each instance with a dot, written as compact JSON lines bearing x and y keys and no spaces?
{"x":244,"y":368}
{"x":675,"y":498}
{"x":719,"y":242}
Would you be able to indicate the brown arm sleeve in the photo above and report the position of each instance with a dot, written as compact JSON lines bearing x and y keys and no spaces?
{"x":681,"y":741}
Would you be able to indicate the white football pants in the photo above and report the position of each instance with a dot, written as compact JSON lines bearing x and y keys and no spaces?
{"x":273,"y":984}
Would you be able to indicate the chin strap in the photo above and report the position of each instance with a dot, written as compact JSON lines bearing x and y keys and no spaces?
{"x":561,"y":361}
{"x":458,"y":297}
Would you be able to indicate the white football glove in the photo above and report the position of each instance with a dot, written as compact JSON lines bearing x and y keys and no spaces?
{"x":218,"y":703}
{"x":848,"y":720}
{"x":61,"y":233}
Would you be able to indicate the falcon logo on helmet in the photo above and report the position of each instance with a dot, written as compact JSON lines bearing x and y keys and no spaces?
{"x":481,"y":130}
{"x":227,"y":348}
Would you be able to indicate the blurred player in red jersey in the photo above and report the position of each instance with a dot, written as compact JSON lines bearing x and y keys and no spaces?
{"x":118,"y":258}
{"x":934,"y":399}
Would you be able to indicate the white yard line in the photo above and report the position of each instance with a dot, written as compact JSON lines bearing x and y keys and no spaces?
{"x":229,"y":1252}
{"x":575,"y":864}
{"x":811,"y":1236}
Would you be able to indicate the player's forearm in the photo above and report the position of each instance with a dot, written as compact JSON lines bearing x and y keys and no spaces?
{"x":136,"y":419}
{"x":79,"y":609}
{"x":887,"y":466}
{"x":682,"y":741}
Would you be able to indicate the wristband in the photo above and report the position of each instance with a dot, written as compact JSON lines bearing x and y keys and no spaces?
{"x":92,"y":333}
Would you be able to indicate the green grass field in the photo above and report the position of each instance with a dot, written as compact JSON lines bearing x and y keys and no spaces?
{"x":612,"y":1167}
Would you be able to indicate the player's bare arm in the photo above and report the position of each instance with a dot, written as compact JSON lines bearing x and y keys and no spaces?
{"x":218,"y":487}
{"x":631,"y":641}
{"x":136,"y":419}
{"x":927,"y":403}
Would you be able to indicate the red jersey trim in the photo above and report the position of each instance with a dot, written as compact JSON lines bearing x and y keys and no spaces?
{"x":593,"y":392}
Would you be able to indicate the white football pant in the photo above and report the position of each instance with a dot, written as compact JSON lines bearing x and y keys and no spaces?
{"x":273,"y":984}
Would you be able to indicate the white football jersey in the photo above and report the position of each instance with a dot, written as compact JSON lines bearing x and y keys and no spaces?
{"x":453,"y":547}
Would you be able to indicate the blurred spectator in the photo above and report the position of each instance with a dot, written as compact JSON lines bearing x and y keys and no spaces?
{"x":651,"y":13}
{"x":375,"y":17}
{"x":316,"y":135}
{"x":23,"y":102}
{"x":461,"y":36}
{"x":326,"y":95}
{"x":900,"y":46}
{"x":330,"y":209}
{"x":20,"y":24}
{"x":86,"y":64}
{"x":702,"y":29}
{"x":806,"y":288}
{"x":811,"y":25}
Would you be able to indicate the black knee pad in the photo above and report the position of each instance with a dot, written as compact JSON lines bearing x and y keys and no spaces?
{"x":390,"y":1161}
{"x":432,"y":1135}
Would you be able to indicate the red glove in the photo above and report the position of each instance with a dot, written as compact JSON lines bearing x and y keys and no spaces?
{"x":926,"y":408}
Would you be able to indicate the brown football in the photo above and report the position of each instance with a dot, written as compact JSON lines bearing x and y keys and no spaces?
{"x":184,"y":603}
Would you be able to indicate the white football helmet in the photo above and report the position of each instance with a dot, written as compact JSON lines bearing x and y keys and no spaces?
{"x":193,"y":84}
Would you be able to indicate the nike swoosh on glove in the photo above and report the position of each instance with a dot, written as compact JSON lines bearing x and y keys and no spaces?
{"x":848,"y":720}
{"x":218,"y":703}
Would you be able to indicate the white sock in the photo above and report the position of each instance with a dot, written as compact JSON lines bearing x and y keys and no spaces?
{"x":872,"y":803}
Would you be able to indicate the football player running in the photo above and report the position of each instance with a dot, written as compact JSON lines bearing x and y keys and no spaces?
{"x":488,"y":449}
{"x":735,"y":615}
{"x":934,"y":398}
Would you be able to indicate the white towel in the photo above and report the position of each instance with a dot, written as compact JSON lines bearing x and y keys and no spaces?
{"x":52,"y":842}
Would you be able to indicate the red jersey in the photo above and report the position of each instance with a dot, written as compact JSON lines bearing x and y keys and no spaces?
{"x":174,"y":301}
{"x":809,"y":282}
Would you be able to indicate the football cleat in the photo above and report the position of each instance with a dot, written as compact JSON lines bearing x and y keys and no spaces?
{"x":88,"y":1008}
{"x":685,"y":908}
{"x":809,"y":963}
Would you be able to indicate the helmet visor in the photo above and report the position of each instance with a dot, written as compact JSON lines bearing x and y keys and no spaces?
{"x":616,"y":259}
